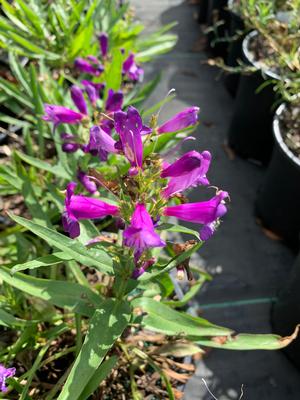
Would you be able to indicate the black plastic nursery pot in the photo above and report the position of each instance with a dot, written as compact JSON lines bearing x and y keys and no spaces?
{"x":250,"y":130}
{"x":286,"y":312}
{"x":235,"y":51}
{"x":278,"y":199}
{"x":218,"y":13}
{"x":203,"y":11}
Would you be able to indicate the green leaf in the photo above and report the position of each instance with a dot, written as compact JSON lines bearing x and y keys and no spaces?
{"x":178,"y":228}
{"x":13,"y":91}
{"x":68,"y":295}
{"x":106,"y":326}
{"x":162,"y":318}
{"x":32,"y":17}
{"x":19,"y":72}
{"x":246,"y":341}
{"x":114,"y":74}
{"x":98,"y":259}
{"x":102,"y":372}
{"x":11,"y":321}
{"x":174,"y":262}
{"x":188,"y":295}
{"x":37,"y":51}
{"x":36,"y":162}
{"x":44,"y":261}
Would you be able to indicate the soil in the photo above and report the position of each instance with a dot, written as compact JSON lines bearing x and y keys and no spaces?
{"x":290,"y":128}
{"x":262,"y":53}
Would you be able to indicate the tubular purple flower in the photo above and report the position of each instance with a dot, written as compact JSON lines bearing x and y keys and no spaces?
{"x":100,"y":143}
{"x":86,"y":182}
{"x":93,"y":90}
{"x":140,"y":235}
{"x":79,"y":207}
{"x":70,"y":147}
{"x":129,"y":126}
{"x":93,"y":59}
{"x":208,"y":230}
{"x":103,"y":42}
{"x":4,"y":374}
{"x":78,"y":99}
{"x":132,"y":70}
{"x":61,"y":115}
{"x":180,"y":121}
{"x":114,"y":101}
{"x":85,"y":66}
{"x":190,"y":170}
{"x":203,"y":212}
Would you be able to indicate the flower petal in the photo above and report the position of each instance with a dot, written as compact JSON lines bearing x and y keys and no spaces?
{"x":180,"y":121}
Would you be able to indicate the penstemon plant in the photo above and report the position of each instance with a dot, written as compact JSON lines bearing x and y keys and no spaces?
{"x":131,"y":245}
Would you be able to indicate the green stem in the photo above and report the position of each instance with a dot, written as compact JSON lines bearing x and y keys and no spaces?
{"x":78,"y":333}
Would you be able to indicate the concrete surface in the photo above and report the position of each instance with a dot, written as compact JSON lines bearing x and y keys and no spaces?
{"x":245,"y":263}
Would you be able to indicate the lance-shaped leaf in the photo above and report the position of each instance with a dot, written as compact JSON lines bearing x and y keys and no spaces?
{"x":161,"y":318}
{"x":97,"y":259}
{"x":101,"y":373}
{"x":246,"y":341}
{"x":69,"y":295}
{"x":106,"y":326}
{"x":44,"y":261}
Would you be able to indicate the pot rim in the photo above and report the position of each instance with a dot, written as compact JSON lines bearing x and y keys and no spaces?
{"x":249,"y":56}
{"x":278,"y":137}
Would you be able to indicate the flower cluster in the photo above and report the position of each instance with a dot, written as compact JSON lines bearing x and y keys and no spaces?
{"x":5,"y":373}
{"x":144,"y":192}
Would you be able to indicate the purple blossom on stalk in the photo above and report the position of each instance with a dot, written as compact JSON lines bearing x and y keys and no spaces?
{"x":4,"y":374}
{"x":93,"y":90}
{"x":61,"y":115}
{"x":133,"y":71}
{"x":79,"y":207}
{"x":69,"y":145}
{"x":205,"y":212}
{"x":78,"y":99}
{"x":100,"y":143}
{"x":190,"y":170}
{"x":114,"y":101}
{"x":86,"y":182}
{"x":140,"y":235}
{"x":103,"y":42}
{"x":180,"y":121}
{"x":129,"y":127}
{"x":92,"y":68}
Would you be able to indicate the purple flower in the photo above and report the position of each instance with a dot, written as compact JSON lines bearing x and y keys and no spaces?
{"x":86,"y":182}
{"x":79,"y":207}
{"x":93,"y":90}
{"x":78,"y":99}
{"x":114,"y":101}
{"x":190,"y":170}
{"x":205,"y":212}
{"x":132,"y":70}
{"x":61,"y":115}
{"x":87,"y":67}
{"x":4,"y":374}
{"x":103,"y":42}
{"x":140,"y":235}
{"x":180,"y":121}
{"x":69,"y":143}
{"x":129,"y":126}
{"x":100,"y":143}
